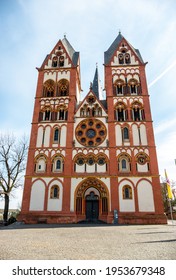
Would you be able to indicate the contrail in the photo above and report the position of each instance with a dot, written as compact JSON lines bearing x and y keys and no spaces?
{"x":162,"y":74}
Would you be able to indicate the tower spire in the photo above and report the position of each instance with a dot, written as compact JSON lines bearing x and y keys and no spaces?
{"x":96,"y":87}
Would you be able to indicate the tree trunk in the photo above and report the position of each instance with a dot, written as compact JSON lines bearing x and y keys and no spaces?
{"x":6,"y":209}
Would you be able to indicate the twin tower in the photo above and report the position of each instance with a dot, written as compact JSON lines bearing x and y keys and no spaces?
{"x":92,"y":160}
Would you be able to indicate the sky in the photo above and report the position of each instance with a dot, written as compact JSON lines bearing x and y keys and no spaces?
{"x":29,"y":29}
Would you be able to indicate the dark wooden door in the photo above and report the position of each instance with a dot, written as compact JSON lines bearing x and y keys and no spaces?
{"x":92,"y":208}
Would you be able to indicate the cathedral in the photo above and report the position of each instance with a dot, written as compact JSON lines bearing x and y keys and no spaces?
{"x":92,"y":160}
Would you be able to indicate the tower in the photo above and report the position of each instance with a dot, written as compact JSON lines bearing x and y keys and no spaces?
{"x":90,"y":158}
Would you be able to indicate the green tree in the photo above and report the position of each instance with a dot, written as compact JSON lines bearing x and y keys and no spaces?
{"x":13,"y":155}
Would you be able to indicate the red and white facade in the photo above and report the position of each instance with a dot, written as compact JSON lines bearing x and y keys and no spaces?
{"x":87,"y":159}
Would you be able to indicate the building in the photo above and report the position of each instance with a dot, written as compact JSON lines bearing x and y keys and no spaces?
{"x":90,"y":159}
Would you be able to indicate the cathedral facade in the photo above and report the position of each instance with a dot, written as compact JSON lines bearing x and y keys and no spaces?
{"x":92,"y":160}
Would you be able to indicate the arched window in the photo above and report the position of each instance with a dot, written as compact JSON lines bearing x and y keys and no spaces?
{"x":134,"y":87}
{"x":61,"y":61}
{"x":40,"y":165}
{"x":47,"y":115}
{"x":124,"y":57}
{"x":121,"y":113}
{"x":119,"y":87}
{"x":127,"y":58}
{"x":57,"y":164}
{"x":124,"y":163}
{"x":121,"y":58}
{"x":54,"y":61}
{"x":127,"y":192}
{"x":125,"y":134}
{"x":62,"y":113}
{"x":56,"y":135}
{"x":137,"y":112}
{"x":54,"y":192}
{"x":49,"y":88}
{"x":63,"y":87}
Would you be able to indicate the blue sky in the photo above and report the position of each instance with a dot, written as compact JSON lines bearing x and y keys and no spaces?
{"x":29,"y":30}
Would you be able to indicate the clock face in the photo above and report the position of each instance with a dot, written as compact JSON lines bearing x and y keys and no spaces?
{"x":91,"y":132}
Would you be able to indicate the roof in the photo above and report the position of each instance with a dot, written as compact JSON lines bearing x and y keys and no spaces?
{"x":96,"y":84}
{"x":110,"y":52}
{"x":70,"y":50}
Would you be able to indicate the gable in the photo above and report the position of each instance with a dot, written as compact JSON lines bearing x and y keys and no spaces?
{"x":91,"y":107}
{"x":62,"y":56}
{"x":122,"y":53}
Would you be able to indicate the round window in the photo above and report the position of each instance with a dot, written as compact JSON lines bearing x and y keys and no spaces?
{"x":91,"y":132}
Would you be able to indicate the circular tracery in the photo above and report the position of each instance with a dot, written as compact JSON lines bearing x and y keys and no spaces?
{"x":91,"y":132}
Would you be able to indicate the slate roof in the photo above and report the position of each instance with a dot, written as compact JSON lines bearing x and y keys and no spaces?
{"x":70,"y":50}
{"x":110,"y":52}
{"x":95,"y":85}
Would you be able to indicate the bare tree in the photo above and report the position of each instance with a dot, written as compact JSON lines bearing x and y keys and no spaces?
{"x":13,"y":155}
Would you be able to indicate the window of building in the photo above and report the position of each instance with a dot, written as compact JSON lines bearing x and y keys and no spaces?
{"x":137,"y":112}
{"x":125,"y":133}
{"x":40,"y":165}
{"x":121,"y":58}
{"x":61,"y":61}
{"x":54,"y":192}
{"x":120,"y":112}
{"x":127,"y":192}
{"x":54,"y":61}
{"x":63,"y":87}
{"x":49,"y":88}
{"x":47,"y":115}
{"x":119,"y":87}
{"x":56,"y":135}
{"x":124,"y":163}
{"x":57,"y":164}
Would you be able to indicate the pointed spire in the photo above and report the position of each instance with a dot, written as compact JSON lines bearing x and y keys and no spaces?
{"x":96,"y":88}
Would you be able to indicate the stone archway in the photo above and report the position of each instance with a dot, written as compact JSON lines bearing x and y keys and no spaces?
{"x":92,"y":200}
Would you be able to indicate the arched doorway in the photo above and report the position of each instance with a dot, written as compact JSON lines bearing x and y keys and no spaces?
{"x":92,"y":207}
{"x":91,"y":201}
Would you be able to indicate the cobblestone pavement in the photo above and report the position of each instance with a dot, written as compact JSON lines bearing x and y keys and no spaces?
{"x":97,"y":242}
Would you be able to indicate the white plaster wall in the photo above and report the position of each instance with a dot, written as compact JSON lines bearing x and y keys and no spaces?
{"x":143,"y":134}
{"x":126,"y":205}
{"x":55,"y":204}
{"x":47,"y":136}
{"x":80,"y":168}
{"x":50,"y":75}
{"x":39,"y":136}
{"x":142,"y":168}
{"x":145,"y":197}
{"x":63,"y":136}
{"x":135,"y":135}
{"x":90,"y":168}
{"x":64,"y":75}
{"x":101,"y":168}
{"x":37,"y":196}
{"x":118,"y":133}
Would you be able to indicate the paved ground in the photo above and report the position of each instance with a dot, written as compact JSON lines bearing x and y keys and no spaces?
{"x":101,"y":242}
